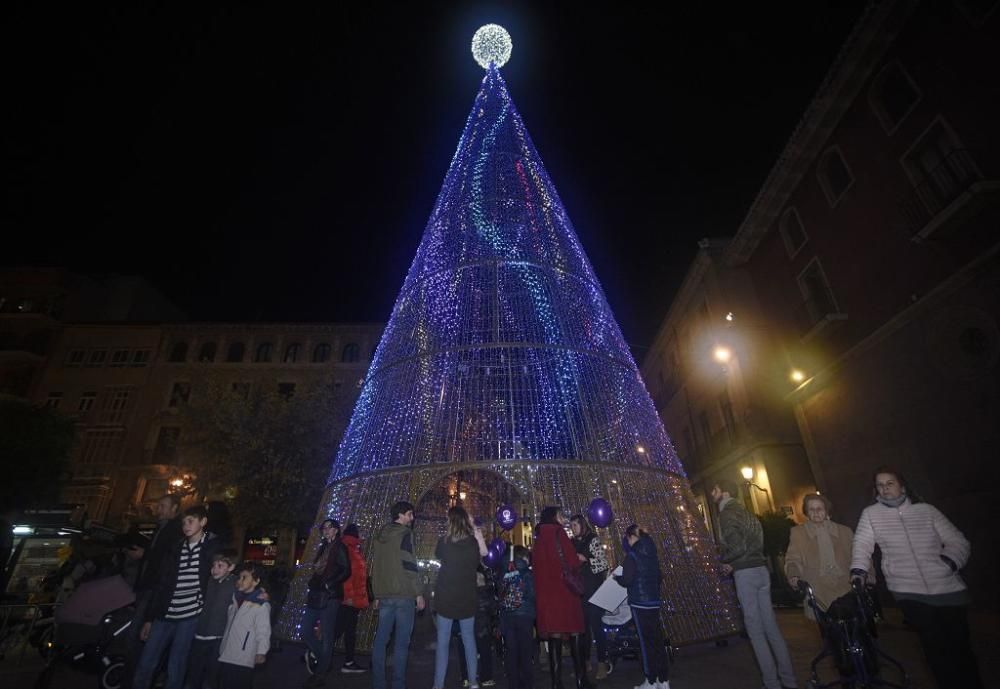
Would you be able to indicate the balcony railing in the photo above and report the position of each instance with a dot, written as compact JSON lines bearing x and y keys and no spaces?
{"x":940,"y":188}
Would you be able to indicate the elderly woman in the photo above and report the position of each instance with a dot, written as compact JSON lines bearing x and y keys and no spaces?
{"x":819,"y":552}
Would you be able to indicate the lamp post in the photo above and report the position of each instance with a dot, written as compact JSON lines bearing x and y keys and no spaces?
{"x":747,"y":472}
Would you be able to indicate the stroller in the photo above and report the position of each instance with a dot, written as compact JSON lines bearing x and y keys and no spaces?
{"x":89,"y":632}
{"x":623,"y":637}
{"x":849,"y":637}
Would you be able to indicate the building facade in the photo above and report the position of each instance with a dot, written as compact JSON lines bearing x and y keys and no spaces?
{"x":872,"y":250}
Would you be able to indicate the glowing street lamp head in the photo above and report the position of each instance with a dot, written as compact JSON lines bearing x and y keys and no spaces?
{"x":722,"y":354}
{"x":747,"y":472}
{"x":491,"y":44}
{"x":797,"y":375}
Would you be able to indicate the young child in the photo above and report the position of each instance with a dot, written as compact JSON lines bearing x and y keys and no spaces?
{"x":248,"y":631}
{"x":203,"y":663}
{"x":517,"y":620}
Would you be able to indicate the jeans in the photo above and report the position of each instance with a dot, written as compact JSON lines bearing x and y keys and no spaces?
{"x":398,"y":614}
{"x":467,"y":626}
{"x":944,"y":636}
{"x":655,"y":661}
{"x":133,"y":647}
{"x":520,"y":658}
{"x":595,"y":626}
{"x":322,"y":647}
{"x":235,"y":676}
{"x":753,"y":588}
{"x":176,"y":635}
{"x":203,"y":664}
{"x":484,"y":649}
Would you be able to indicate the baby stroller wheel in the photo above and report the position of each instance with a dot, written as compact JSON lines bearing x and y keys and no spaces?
{"x":112,"y":676}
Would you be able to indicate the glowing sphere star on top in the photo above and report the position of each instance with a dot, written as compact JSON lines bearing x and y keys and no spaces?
{"x":491,"y":44}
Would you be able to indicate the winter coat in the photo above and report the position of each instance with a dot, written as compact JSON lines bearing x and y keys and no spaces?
{"x":214,"y":614}
{"x":164,"y":584}
{"x":558,"y":608}
{"x":455,"y":589}
{"x":156,"y":557}
{"x":248,"y":631}
{"x":742,"y":540}
{"x":337,"y":570}
{"x":802,"y":561}
{"x":596,"y":568}
{"x":641,"y":574}
{"x":394,"y":567}
{"x":517,"y":591}
{"x":912,"y":537}
{"x":356,"y":587}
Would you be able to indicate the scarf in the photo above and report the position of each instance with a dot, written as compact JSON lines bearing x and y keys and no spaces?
{"x":828,"y":565}
{"x":892,"y":502}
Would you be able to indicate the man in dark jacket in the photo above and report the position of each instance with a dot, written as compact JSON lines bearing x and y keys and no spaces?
{"x":168,"y":533}
{"x":331,"y":568}
{"x":742,"y":545}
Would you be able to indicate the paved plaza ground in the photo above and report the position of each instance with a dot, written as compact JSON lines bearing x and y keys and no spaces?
{"x":701,"y":666}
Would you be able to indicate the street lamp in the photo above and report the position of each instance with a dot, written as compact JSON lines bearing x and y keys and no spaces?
{"x":747,"y":472}
{"x":722,"y":354}
{"x":797,"y":375}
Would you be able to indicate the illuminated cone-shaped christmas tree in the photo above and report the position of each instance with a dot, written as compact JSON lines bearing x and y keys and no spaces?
{"x":503,"y":378}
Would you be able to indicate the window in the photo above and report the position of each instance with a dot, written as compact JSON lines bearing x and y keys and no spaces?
{"x":834,"y":176}
{"x":242,"y":390}
{"x":97,"y":447}
{"x":321,"y":353}
{"x":53,"y":400}
{"x":115,"y":404}
{"x":236,"y":352}
{"x":97,"y":358}
{"x":292,"y":353}
{"x":87,"y":400}
{"x":140,"y":357}
{"x":76,"y":357}
{"x":706,"y":430}
{"x":286,"y":390}
{"x":350,"y":354}
{"x":119,"y":358}
{"x":263,"y":353}
{"x":792,"y":232}
{"x":893,"y":96}
{"x":819,"y":302}
{"x":206,"y":354}
{"x":165,"y":451}
{"x":939,"y":167}
{"x":179,"y":395}
{"x":179,"y":352}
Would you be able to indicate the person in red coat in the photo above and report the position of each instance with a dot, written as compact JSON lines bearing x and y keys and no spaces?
{"x":355,"y":599}
{"x":559,"y":611}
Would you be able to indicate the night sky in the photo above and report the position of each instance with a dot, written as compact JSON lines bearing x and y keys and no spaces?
{"x":256,"y":164}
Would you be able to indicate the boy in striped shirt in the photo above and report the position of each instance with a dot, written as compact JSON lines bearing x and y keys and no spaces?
{"x":177,"y":600}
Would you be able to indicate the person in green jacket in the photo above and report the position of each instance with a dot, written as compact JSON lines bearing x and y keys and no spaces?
{"x":396,"y":591}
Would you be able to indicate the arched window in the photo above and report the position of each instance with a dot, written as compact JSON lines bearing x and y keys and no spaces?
{"x":236,"y":352}
{"x":292,"y":353}
{"x":179,"y":352}
{"x":350,"y":353}
{"x":207,"y":352}
{"x":834,"y":175}
{"x":792,"y":231}
{"x":263,"y":353}
{"x":321,"y":353}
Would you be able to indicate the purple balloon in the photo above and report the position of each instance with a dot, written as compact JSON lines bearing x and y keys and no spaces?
{"x":492,"y":558}
{"x":498,"y":545}
{"x":600,"y":512}
{"x":506,"y":517}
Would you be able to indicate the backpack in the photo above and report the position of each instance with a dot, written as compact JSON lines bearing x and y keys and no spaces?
{"x":512,"y":591}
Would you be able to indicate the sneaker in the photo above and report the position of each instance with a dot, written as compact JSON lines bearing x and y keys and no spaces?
{"x":488,"y":683}
{"x":663,"y":685}
{"x":311,"y":662}
{"x":646,"y":685}
{"x":465,"y":684}
{"x":351,"y":668}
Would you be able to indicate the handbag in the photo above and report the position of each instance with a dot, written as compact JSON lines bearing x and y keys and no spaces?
{"x":572,"y":579}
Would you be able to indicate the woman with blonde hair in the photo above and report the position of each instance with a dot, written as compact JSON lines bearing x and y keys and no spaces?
{"x":458,"y":551}
{"x":819,"y":552}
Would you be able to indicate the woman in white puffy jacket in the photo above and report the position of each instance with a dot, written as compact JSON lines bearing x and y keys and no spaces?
{"x":922,"y":553}
{"x":248,"y":631}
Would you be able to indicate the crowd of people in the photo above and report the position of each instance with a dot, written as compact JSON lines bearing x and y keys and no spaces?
{"x":204,"y":619}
